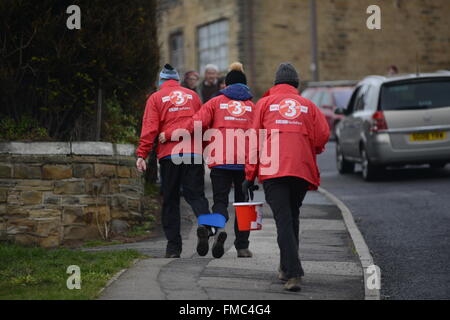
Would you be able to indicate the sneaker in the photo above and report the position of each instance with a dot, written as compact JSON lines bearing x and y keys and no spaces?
{"x":203,"y":239}
{"x":172,"y":255}
{"x":218,"y":250}
{"x":244,"y":253}
{"x":293,"y":284}
{"x":281,"y":275}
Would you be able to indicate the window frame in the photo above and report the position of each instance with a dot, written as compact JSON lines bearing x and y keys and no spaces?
{"x":200,"y":64}
{"x":176,"y":65}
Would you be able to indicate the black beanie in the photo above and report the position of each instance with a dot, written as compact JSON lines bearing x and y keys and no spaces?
{"x":286,"y":73}
{"x":236,"y":74}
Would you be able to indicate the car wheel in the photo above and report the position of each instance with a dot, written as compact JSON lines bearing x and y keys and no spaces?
{"x":343,"y":165}
{"x":370,"y":172}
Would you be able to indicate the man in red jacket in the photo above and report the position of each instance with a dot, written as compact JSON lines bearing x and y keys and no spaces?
{"x":167,"y":109}
{"x":301,"y":131}
{"x":230,"y":111}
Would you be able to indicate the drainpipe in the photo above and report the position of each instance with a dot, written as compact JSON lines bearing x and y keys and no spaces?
{"x":313,"y":28}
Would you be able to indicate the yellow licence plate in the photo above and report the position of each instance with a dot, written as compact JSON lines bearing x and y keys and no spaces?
{"x":427,"y":136}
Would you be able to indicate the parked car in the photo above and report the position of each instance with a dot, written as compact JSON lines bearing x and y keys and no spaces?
{"x":395,"y":121}
{"x":329,"y":96}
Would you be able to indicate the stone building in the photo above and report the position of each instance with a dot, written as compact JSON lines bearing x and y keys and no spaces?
{"x":263,"y":33}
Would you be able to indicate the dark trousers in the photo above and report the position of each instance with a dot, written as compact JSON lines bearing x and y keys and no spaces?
{"x":285,"y":196}
{"x":222,"y":180}
{"x":191,"y":178}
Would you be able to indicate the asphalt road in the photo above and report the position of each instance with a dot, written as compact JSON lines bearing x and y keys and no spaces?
{"x":405,"y":220}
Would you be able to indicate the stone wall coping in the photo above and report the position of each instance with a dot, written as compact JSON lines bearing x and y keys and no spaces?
{"x":67,"y":148}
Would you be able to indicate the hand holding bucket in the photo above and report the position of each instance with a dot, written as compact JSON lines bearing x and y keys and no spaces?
{"x":247,"y":188}
{"x":249,"y":214}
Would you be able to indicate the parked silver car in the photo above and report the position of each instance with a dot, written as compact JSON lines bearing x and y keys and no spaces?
{"x":395,"y":121}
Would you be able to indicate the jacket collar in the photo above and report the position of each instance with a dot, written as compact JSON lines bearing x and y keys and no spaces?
{"x":237,"y":91}
{"x":283,"y":89}
{"x":169,"y":84}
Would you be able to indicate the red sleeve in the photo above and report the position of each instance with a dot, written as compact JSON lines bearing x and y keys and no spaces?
{"x":251,"y":169}
{"x":150,"y":128}
{"x":204,"y":113}
{"x":321,"y":130}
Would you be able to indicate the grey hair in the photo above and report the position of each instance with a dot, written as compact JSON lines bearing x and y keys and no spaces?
{"x":211,"y":67}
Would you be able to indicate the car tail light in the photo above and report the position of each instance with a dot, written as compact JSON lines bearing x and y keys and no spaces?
{"x":379,"y":122}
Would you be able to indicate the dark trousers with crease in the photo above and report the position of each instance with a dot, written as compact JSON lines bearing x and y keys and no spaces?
{"x":221,"y":180}
{"x":191,"y":178}
{"x":285,"y":196}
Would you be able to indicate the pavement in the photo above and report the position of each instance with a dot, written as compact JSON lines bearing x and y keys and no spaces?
{"x":332,"y":267}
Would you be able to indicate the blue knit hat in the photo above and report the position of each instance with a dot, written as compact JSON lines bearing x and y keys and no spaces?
{"x":169,"y":73}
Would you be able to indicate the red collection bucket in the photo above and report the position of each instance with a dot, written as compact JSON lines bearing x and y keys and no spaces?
{"x":249,"y":215}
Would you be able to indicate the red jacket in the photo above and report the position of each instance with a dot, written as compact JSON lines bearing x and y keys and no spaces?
{"x":303,"y":133}
{"x":167,"y":109}
{"x":223,"y":113}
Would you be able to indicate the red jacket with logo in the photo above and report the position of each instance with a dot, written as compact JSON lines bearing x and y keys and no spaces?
{"x":303,"y":133}
{"x":224,"y":114}
{"x":168,"y":109}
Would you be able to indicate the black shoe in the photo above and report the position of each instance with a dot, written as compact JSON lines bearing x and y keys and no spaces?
{"x":244,"y":253}
{"x":203,"y":239}
{"x":218,"y":250}
{"x":293,"y":284}
{"x":172,"y":255}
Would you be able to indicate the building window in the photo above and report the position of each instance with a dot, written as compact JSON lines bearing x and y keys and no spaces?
{"x":213,"y":45}
{"x":177,"y":52}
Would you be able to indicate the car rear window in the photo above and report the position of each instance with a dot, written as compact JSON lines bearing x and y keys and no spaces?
{"x":427,"y":94}
{"x":342,"y":97}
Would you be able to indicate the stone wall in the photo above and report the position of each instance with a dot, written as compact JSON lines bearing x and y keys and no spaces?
{"x":54,"y":192}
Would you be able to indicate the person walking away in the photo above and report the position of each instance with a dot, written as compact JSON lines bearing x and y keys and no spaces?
{"x":232,"y":109}
{"x":303,"y":133}
{"x":166,"y":109}
{"x":210,"y":85}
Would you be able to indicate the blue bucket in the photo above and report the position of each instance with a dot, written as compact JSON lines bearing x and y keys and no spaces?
{"x":213,"y":220}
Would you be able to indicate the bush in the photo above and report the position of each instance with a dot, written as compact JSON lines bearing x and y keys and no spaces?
{"x":119,"y":127}
{"x":51,"y":74}
{"x":25,"y":129}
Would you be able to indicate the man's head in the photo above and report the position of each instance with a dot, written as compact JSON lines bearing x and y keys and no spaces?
{"x":211,"y":74}
{"x":168,"y":73}
{"x":191,"y":79}
{"x":286,"y":74}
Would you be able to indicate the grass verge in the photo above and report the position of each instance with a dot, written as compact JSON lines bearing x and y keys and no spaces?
{"x":40,"y":274}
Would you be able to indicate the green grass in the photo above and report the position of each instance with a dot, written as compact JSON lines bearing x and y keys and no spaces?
{"x":142,"y":229}
{"x":40,"y":274}
{"x":100,"y":243}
